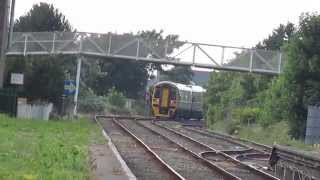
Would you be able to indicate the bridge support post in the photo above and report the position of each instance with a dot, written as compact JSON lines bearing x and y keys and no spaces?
{"x":4,"y":18}
{"x":79,"y":62}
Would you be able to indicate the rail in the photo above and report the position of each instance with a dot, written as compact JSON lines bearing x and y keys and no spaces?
{"x":268,"y":176}
{"x":171,"y":171}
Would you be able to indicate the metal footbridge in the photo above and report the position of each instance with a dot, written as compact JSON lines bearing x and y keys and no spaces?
{"x":138,"y":48}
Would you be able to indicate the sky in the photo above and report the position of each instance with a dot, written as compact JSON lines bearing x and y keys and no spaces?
{"x":240,"y":23}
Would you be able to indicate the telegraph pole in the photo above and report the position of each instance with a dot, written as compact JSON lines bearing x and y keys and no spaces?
{"x":4,"y":28}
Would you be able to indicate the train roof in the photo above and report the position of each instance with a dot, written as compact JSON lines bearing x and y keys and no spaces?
{"x":183,"y":87}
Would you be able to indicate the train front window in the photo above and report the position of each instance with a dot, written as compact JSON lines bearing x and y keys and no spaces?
{"x":157,"y":92}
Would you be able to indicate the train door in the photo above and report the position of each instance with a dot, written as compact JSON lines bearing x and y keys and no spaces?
{"x":164,"y":101}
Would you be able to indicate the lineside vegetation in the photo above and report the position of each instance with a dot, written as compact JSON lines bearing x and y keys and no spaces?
{"x":34,"y":149}
{"x":244,"y":100}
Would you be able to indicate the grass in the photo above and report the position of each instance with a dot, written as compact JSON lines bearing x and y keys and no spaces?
{"x":36,"y":150}
{"x":274,"y":134}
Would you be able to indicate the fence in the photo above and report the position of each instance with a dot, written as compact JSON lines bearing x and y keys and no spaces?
{"x":33,"y":111}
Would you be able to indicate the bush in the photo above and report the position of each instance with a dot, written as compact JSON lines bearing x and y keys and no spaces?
{"x":246,"y":115}
{"x":214,"y":114}
{"x":92,"y":104}
{"x":233,"y":127}
{"x":116,"y":98}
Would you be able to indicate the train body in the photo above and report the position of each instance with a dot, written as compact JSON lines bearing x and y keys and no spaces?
{"x":175,"y":100}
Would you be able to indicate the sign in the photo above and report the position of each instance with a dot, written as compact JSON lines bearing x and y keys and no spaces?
{"x":17,"y":78}
{"x":69,"y":87}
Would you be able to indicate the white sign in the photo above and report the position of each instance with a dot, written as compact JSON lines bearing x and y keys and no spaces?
{"x":17,"y":78}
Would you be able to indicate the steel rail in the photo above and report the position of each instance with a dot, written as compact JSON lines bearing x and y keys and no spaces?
{"x":233,"y":139}
{"x":219,"y":152}
{"x":170,"y":170}
{"x":124,"y":117}
{"x":197,"y":156}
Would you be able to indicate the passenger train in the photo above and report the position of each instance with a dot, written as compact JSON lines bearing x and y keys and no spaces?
{"x":174,"y":100}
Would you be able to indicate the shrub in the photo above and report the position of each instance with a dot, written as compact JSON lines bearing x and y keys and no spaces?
{"x":92,"y":104}
{"x":246,"y":115}
{"x":233,"y":127}
{"x":214,"y":114}
{"x":116,"y":98}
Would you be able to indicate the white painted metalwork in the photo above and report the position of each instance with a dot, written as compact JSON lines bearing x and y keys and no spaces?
{"x":79,"y":61}
{"x":131,"y":47}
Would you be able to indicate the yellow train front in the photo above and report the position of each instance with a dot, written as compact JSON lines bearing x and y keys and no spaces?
{"x":175,"y":100}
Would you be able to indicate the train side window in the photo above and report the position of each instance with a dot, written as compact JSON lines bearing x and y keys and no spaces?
{"x":157,"y":92}
{"x":173,"y":94}
{"x":182,"y":97}
{"x":196,"y":97}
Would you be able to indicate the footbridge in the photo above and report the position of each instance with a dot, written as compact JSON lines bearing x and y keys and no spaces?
{"x":138,"y":48}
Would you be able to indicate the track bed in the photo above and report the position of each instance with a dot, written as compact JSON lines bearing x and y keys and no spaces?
{"x":197,"y":144}
{"x":141,"y":163}
{"x":184,"y":163}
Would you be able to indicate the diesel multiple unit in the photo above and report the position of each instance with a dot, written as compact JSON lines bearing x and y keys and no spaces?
{"x":174,"y":100}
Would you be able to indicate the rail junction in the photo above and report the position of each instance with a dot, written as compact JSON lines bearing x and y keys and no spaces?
{"x":171,"y":150}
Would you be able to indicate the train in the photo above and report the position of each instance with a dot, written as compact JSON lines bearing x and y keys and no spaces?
{"x":176,"y":101}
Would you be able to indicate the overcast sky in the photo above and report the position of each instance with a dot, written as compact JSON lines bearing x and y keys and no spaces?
{"x":228,"y":22}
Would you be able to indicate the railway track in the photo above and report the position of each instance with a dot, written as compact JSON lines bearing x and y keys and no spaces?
{"x":254,"y":145}
{"x":142,"y":161}
{"x":184,"y":161}
{"x":293,"y":164}
{"x":253,"y":156}
{"x":218,"y":158}
{"x":169,"y":150}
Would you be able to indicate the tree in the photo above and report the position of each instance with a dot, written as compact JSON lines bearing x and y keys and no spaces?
{"x":301,"y":75}
{"x":230,"y":93}
{"x":42,"y":17}
{"x":44,"y":75}
{"x":178,"y":74}
{"x":278,"y":38}
{"x":130,"y":77}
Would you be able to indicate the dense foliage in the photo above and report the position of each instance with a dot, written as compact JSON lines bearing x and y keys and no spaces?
{"x":239,"y":98}
{"x":45,"y":75}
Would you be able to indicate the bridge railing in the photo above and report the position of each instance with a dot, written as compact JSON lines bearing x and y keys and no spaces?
{"x":131,"y":47}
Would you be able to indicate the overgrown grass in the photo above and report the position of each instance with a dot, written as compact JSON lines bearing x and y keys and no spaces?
{"x":33,"y":149}
{"x":274,"y":134}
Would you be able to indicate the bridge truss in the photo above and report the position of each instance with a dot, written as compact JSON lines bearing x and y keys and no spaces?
{"x":131,"y":47}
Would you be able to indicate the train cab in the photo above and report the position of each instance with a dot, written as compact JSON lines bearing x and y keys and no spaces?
{"x":164,"y":101}
{"x":174,"y":100}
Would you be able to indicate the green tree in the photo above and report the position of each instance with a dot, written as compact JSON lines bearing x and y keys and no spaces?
{"x":44,"y":75}
{"x":130,"y":77}
{"x":301,"y":75}
{"x":178,"y":74}
{"x":231,"y":95}
{"x":42,"y":17}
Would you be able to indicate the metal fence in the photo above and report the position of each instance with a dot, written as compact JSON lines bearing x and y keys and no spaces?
{"x":132,"y":47}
